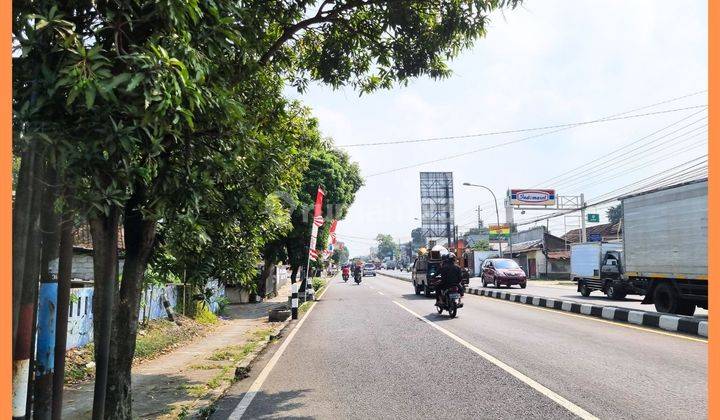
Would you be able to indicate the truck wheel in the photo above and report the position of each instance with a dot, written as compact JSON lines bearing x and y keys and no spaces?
{"x":585,"y":291}
{"x":666,"y":298}
{"x":686,"y":308}
{"x":614,"y":291}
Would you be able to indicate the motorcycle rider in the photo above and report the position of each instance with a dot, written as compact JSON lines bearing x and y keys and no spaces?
{"x":357,"y":269}
{"x":346,"y":271}
{"x":450,"y":275}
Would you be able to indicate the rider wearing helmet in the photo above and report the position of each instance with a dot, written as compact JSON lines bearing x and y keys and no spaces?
{"x":450,"y":274}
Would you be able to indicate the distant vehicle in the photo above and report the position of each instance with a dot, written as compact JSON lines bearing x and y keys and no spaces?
{"x":390,"y":265}
{"x":503,"y":271}
{"x":369,"y":270}
{"x":426,"y":268}
{"x":586,"y":262}
{"x":663,"y":253}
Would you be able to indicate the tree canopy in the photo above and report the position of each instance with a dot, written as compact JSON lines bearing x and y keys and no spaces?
{"x":168,"y":118}
{"x":387,"y":247}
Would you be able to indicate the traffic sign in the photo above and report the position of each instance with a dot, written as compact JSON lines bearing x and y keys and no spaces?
{"x":594,"y":237}
{"x":593,"y":217}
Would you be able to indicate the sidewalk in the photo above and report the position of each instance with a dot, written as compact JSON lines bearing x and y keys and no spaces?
{"x":190,"y":376}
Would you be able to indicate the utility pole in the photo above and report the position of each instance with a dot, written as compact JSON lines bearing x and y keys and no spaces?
{"x":510,"y":219}
{"x":583,"y":232}
{"x":497,"y":212}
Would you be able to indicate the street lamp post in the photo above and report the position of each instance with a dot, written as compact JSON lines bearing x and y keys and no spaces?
{"x":497,"y":212}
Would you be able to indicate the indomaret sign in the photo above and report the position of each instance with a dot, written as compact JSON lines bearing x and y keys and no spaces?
{"x":532,"y":197}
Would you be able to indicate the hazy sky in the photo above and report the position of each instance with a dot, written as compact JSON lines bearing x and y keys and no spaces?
{"x":548,"y":62}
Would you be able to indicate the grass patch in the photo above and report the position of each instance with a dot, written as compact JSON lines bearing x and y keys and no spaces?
{"x":318,"y":285}
{"x":194,"y":390}
{"x":212,"y":366}
{"x":153,"y":339}
{"x":233,"y":353}
{"x":203,"y":315}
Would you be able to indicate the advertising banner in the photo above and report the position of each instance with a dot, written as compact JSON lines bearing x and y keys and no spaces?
{"x":532,"y":197}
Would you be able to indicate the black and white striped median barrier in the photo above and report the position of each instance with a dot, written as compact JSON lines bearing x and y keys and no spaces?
{"x":294,"y":301}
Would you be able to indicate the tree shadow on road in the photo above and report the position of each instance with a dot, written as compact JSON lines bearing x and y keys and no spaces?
{"x":412,"y":296}
{"x":266,"y":405}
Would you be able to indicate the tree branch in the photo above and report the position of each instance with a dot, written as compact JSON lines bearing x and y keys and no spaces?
{"x":320,"y":17}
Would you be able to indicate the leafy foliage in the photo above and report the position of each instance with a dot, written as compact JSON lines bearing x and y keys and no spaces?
{"x":615,"y":213}
{"x":387,"y":247}
{"x":481,"y":246}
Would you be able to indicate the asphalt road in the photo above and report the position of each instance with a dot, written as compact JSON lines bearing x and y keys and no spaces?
{"x":360,"y":354}
{"x":568,"y":292}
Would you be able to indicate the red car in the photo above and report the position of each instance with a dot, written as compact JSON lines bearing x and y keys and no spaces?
{"x":503,"y":271}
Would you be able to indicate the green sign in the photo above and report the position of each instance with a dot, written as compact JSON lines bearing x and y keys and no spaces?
{"x":593,"y":217}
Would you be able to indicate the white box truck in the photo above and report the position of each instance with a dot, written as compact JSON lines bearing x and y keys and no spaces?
{"x":663,"y":254}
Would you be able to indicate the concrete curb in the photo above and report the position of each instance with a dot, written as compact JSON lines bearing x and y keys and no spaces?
{"x":674,"y":323}
{"x":243,"y":367}
{"x":395,"y":276}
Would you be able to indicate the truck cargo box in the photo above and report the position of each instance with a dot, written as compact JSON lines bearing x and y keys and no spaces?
{"x":585,"y":258}
{"x":665,"y":232}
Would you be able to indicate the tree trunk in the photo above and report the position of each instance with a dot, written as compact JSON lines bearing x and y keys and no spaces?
{"x":105,"y":269}
{"x":47,"y":302}
{"x":139,"y":241}
{"x":24,"y":220}
{"x":25,"y":282}
{"x":63,"y":304}
{"x":262,"y":283}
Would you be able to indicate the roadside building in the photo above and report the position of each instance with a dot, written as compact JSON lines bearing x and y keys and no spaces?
{"x":82,"y":264}
{"x":608,"y":232}
{"x":540,"y":254}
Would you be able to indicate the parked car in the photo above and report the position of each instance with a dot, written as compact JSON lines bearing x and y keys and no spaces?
{"x":503,"y":271}
{"x":369,"y":270}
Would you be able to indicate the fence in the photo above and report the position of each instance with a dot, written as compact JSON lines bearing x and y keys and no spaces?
{"x":80,"y":319}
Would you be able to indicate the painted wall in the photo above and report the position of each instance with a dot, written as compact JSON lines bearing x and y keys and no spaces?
{"x":80,"y":320}
{"x":82,"y":266}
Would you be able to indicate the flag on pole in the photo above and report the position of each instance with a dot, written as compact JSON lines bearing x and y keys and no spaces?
{"x":333,"y":237}
{"x":317,"y":222}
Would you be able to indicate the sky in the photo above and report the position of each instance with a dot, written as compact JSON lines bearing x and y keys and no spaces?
{"x":545,"y":63}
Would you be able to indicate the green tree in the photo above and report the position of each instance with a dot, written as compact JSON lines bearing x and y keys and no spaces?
{"x":615,"y":213}
{"x":418,"y":239}
{"x":142,"y":107}
{"x":481,"y":245}
{"x":387,"y":247}
{"x":340,"y":256}
{"x":331,"y":169}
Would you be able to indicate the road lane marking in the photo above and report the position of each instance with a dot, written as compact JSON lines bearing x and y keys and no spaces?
{"x":594,"y":319}
{"x":381,"y":293}
{"x":571,"y":407}
{"x":586,"y":308}
{"x":239,"y":410}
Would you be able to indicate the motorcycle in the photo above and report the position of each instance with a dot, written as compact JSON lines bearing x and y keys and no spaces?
{"x":346,"y":276}
{"x":449,"y":300}
{"x":358,"y":277}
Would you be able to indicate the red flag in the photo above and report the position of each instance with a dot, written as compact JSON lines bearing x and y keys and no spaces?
{"x":318,"y":203}
{"x":333,"y":237}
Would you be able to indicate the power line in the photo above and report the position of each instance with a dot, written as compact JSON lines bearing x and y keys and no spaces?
{"x":523,"y":130}
{"x":495,"y":146}
{"x":612,"y":154}
{"x":686,"y":174}
{"x":633,"y":160}
{"x":601,"y":160}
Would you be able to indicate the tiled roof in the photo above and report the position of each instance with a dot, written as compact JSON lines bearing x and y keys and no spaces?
{"x":83,"y":239}
{"x":558,"y":255}
{"x":608,"y":231}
